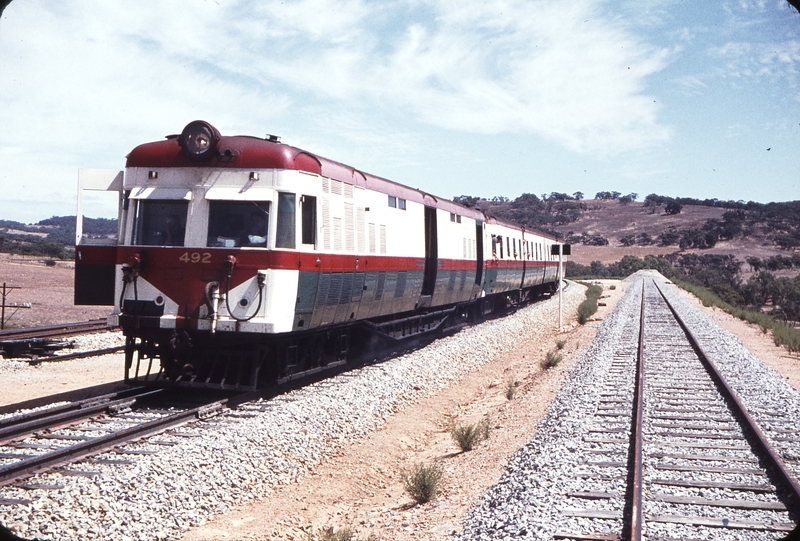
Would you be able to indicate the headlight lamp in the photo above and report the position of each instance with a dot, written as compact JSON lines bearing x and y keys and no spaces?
{"x":199,"y":139}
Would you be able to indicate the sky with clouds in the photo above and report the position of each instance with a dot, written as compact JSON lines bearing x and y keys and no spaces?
{"x":691,"y":99}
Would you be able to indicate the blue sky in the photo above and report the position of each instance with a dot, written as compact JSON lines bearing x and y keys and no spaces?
{"x":453,"y":97}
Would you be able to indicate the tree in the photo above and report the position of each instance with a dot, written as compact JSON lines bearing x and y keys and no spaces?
{"x":669,"y":237}
{"x":607,"y":195}
{"x":673,"y":207}
{"x":754,"y":262}
{"x":644,"y":239}
{"x":466,"y":200}
{"x":578,"y":196}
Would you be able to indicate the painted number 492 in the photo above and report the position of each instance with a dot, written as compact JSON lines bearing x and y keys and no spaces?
{"x":196,"y":257}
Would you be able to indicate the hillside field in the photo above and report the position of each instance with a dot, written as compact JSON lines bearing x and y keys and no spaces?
{"x":613,"y":221}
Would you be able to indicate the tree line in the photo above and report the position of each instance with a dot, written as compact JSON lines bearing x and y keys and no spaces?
{"x":52,"y":238}
{"x":721,"y":274}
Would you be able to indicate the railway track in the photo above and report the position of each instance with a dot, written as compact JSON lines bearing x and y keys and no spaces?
{"x":52,"y":437}
{"x":21,"y":434}
{"x":44,"y":344}
{"x":673,"y":453}
{"x":54,"y":331}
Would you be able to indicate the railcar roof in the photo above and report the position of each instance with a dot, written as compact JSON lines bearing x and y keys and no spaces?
{"x":247,"y":152}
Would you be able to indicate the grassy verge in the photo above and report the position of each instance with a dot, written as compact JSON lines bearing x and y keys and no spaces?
{"x":587,"y":308}
{"x":782,"y":334}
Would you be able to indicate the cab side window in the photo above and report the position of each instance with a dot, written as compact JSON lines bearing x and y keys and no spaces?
{"x":285,"y":234}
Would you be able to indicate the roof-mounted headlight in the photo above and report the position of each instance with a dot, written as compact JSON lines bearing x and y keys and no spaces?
{"x":199,"y":139}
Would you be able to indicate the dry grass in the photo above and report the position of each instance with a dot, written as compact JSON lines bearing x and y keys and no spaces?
{"x":468,"y":436}
{"x":424,"y":482}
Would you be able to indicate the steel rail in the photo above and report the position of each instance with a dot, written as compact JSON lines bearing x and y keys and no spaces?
{"x":18,"y":427}
{"x":78,"y":355}
{"x":772,"y":458}
{"x":64,"y":329}
{"x":634,"y":530}
{"x":64,"y":455}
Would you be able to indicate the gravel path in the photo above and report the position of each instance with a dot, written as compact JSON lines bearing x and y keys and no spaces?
{"x":210,"y":467}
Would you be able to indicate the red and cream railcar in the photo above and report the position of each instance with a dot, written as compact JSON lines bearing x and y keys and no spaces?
{"x":242,"y":259}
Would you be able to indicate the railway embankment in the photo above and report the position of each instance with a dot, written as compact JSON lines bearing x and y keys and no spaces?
{"x":355,"y":481}
{"x":166,"y":484}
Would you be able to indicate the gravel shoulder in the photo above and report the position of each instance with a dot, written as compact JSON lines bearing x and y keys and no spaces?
{"x":360,"y":488}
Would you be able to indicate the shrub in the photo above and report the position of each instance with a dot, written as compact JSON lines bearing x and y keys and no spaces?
{"x":469,"y":436}
{"x":560,"y":344}
{"x":510,"y":388}
{"x":786,"y":336}
{"x":586,"y":309}
{"x":595,"y":240}
{"x":594,"y":291}
{"x":668,"y":238}
{"x":551,"y":359}
{"x":328,"y":534}
{"x":423,"y":482}
{"x":782,"y":334}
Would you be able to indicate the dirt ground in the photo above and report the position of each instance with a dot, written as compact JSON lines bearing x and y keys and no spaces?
{"x":360,"y":489}
{"x":48,"y":291}
{"x":23,"y":383}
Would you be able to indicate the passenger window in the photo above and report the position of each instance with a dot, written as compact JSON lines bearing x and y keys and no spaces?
{"x":392,"y":201}
{"x":285,"y":235}
{"x":401,"y":204}
{"x":160,"y":223}
{"x":238,"y":223}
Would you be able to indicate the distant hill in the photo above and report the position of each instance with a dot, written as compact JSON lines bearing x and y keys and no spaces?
{"x":635,"y":229}
{"x":613,"y":225}
{"x":52,"y":238}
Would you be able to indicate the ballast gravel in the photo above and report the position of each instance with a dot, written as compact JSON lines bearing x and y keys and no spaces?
{"x":210,"y":467}
{"x":528,"y":501}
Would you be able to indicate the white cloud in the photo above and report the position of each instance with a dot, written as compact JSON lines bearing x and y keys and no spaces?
{"x":84,"y":81}
{"x":559,"y":70}
{"x":774,"y":62}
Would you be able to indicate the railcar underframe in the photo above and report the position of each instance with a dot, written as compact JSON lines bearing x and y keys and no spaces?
{"x":251,"y":361}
